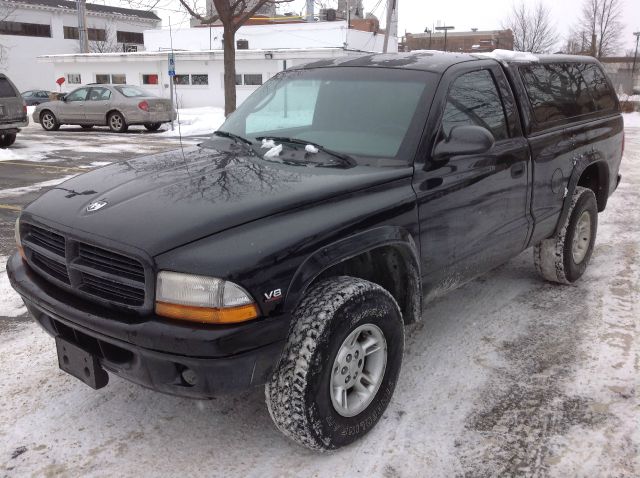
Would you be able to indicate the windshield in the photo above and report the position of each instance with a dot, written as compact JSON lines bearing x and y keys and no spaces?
{"x":355,"y":111}
{"x":133,"y":92}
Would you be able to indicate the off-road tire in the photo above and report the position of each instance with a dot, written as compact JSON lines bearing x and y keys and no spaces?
{"x":553,"y":257}
{"x":298,"y":394}
{"x":117,"y":123}
{"x":7,"y":140}
{"x":48,"y":121}
{"x":86,"y":126}
{"x":152,"y":126}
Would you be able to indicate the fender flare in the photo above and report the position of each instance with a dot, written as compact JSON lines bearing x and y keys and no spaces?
{"x":352,"y":246}
{"x":579,"y":167}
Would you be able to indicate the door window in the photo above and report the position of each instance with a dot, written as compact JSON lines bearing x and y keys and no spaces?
{"x":78,"y":95}
{"x":99,"y":94}
{"x":474,"y":100}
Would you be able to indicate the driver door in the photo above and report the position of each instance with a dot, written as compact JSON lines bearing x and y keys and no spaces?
{"x":73,"y":108}
{"x":473,"y":207}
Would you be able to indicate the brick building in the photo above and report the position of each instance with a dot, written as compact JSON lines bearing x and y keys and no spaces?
{"x":473,"y":41}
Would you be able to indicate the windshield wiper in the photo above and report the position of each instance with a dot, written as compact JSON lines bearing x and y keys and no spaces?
{"x":345,"y":158}
{"x":236,"y":137}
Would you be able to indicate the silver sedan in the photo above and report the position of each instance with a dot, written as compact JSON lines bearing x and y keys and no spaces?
{"x":117,"y":106}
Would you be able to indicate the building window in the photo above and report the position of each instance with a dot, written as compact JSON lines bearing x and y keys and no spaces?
{"x":253,"y":80}
{"x":130,"y":37}
{"x":150,"y":79}
{"x":71,"y":33}
{"x":102,"y":79}
{"x":181,"y":79}
{"x":25,"y":29}
{"x":74,"y":78}
{"x":119,"y":79}
{"x":97,"y":34}
{"x":130,"y":48}
{"x":238,"y":80}
{"x":200,"y":80}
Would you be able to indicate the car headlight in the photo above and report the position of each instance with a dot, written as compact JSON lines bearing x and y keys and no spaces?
{"x":18,"y":240}
{"x":202,"y":299}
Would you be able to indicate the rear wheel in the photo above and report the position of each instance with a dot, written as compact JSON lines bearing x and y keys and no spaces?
{"x":49,"y":121}
{"x":564,"y":257}
{"x":7,"y":140}
{"x":86,"y":126}
{"x":153,"y":126}
{"x":339,"y":368}
{"x":117,"y":122}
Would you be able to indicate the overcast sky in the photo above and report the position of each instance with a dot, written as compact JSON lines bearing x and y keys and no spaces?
{"x":415,"y":15}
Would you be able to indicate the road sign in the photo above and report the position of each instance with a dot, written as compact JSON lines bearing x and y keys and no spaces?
{"x":172,"y":65}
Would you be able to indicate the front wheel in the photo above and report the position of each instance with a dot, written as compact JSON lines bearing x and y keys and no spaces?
{"x":340,"y":365}
{"x":564,"y":257}
{"x":49,"y":121}
{"x":7,"y":140}
{"x":117,"y":123}
{"x":152,"y":126}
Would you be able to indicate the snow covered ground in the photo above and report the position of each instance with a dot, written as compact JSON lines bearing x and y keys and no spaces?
{"x":505,"y":376}
{"x":196,"y":121}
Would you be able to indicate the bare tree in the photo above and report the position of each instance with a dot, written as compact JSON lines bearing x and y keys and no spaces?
{"x":532,"y":28}
{"x":6,"y":10}
{"x":232,"y":14}
{"x":599,"y":28}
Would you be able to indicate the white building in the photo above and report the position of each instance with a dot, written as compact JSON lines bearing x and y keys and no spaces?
{"x":31,"y":28}
{"x":199,"y":58}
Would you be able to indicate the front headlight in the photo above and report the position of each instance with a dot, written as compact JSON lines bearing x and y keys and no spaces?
{"x":202,"y":299}
{"x":18,"y":240}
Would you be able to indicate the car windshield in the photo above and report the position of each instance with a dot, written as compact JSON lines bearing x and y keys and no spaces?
{"x":133,"y":92}
{"x":361,"y":112}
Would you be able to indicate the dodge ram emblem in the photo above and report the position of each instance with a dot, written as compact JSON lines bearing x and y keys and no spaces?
{"x":95,"y":205}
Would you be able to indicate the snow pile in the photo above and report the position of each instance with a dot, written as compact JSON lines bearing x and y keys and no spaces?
{"x":311,"y":149}
{"x":631,"y":120}
{"x":625,"y":97}
{"x":10,"y":302}
{"x":273,"y":152}
{"x":508,"y":55}
{"x":196,"y":121}
{"x":268,"y":143}
{"x":9,"y":155}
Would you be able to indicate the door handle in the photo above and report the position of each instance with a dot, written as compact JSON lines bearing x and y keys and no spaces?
{"x":517,"y":170}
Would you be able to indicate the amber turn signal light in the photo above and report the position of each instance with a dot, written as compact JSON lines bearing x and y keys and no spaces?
{"x":206,"y":315}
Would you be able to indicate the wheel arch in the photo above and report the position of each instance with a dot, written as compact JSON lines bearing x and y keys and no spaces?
{"x":592,"y":174}
{"x":111,"y":111}
{"x":386,"y":255}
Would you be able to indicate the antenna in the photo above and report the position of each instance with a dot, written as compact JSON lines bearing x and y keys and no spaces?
{"x":173,"y":86}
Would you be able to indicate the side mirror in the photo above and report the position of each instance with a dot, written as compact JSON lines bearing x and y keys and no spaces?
{"x":465,"y":140}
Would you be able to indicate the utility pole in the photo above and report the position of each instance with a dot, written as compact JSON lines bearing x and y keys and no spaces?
{"x":310,"y":12}
{"x":446,"y":29}
{"x":391,"y":6}
{"x":635,"y":56}
{"x":82,"y":26}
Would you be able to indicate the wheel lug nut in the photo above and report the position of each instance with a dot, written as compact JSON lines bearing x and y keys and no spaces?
{"x":344,"y":370}
{"x":349,"y":358}
{"x":357,"y":353}
{"x":346,"y":380}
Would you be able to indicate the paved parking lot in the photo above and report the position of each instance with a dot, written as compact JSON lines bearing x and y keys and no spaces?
{"x":507,"y":375}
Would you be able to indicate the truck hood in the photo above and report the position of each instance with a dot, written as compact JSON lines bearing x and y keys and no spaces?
{"x":159,"y":202}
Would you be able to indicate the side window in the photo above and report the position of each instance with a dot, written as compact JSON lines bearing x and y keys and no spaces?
{"x":474,"y":100}
{"x":78,"y":95}
{"x":557,"y":91}
{"x":43,"y":94}
{"x":6,"y":90}
{"x":603,"y":95}
{"x":27,"y":94}
{"x":99,"y":94}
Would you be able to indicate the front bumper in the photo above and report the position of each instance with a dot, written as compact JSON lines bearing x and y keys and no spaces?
{"x":151,"y":351}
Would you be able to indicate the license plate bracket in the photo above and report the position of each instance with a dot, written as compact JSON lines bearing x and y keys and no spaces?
{"x":81,"y":364}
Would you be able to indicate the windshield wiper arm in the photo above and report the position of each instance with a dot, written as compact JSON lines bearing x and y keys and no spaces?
{"x":347,"y":159}
{"x":238,"y":138}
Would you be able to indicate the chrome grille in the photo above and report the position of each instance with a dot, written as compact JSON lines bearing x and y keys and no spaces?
{"x":86,"y":269}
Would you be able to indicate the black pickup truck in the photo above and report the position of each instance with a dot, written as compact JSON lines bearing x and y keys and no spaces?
{"x":292,"y":247}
